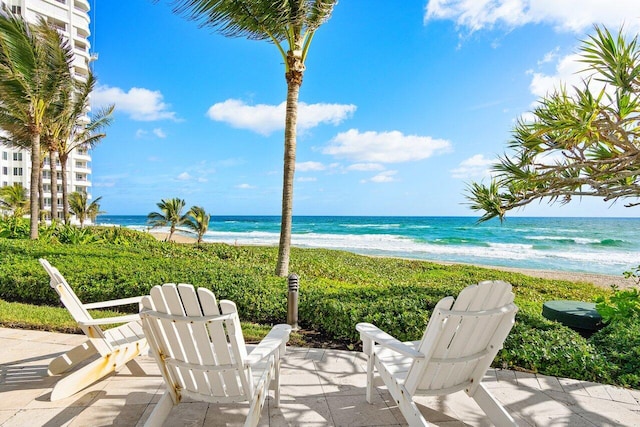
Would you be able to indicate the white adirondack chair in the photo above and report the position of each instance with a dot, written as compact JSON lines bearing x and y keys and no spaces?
{"x":201,"y":352}
{"x":460,"y":342}
{"x":115,"y":347}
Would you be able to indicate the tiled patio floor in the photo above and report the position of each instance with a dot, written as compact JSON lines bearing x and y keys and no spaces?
{"x":319,"y":388}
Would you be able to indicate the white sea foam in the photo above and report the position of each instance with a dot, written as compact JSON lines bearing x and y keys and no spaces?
{"x":389,"y":245}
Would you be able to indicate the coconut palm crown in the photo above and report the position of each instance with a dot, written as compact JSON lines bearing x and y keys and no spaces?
{"x":35,"y":63}
{"x":170,"y":214}
{"x":198,"y":221}
{"x":14,"y":198}
{"x":82,"y":209}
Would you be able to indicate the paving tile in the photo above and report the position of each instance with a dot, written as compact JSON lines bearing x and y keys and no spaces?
{"x":187,"y":414}
{"x":301,"y":384}
{"x":572,"y":386}
{"x":506,"y":376}
{"x":620,"y":394}
{"x":6,"y":414}
{"x":573,"y":420}
{"x":596,"y":390}
{"x":301,"y":411}
{"x":549,"y":383}
{"x":636,"y":395}
{"x":18,"y":399}
{"x":43,"y":417}
{"x":315,"y":354}
{"x":530,"y":402}
{"x":527,"y":380}
{"x":355,"y":411}
{"x":113,"y":415}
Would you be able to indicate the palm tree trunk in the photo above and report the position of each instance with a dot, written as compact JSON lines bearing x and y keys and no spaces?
{"x":65,"y":195}
{"x":35,"y":171}
{"x":54,"y":186}
{"x":40,"y":189}
{"x":294,"y":80}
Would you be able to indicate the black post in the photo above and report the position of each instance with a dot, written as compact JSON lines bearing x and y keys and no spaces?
{"x":292,"y":301}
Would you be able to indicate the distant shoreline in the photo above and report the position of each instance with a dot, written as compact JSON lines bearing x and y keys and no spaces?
{"x":601,"y":280}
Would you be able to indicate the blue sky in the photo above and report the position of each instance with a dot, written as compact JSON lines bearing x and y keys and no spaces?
{"x":401,"y":105}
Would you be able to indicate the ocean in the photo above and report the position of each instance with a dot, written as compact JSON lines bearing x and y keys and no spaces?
{"x":590,"y":245}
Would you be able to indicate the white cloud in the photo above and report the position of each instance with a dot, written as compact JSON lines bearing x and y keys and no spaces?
{"x":549,"y":56}
{"x":569,"y":73}
{"x":386,"y":176}
{"x":265,"y":119}
{"x":244,"y":186}
{"x":365,"y":167}
{"x":565,"y":15}
{"x":473,"y":167}
{"x":384,"y":147}
{"x":184,"y":176}
{"x":159,"y":133}
{"x":139,"y":103}
{"x":307,"y":179}
{"x":141,"y":133}
{"x":310,"y":166}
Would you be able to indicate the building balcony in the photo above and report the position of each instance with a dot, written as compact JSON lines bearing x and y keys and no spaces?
{"x":82,"y":5}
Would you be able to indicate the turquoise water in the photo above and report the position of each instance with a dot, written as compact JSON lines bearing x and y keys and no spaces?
{"x":593,"y":245}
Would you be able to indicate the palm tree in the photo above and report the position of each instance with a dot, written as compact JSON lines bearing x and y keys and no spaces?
{"x":198,"y":221}
{"x":82,"y":209}
{"x":170,"y":214}
{"x":34,"y":61}
{"x":69,"y":130}
{"x":14,"y":198}
{"x":290,"y":25}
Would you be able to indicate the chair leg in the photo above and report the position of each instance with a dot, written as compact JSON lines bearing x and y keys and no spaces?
{"x":161,"y":411}
{"x":494,"y":410}
{"x":92,"y":372}
{"x":277,"y":383}
{"x":262,"y":389}
{"x":403,"y":399}
{"x":71,"y":358}
{"x":370,"y":367}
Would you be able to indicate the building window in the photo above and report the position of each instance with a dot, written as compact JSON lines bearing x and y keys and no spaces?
{"x":80,"y":177}
{"x":46,"y":174}
{"x":16,"y":10}
{"x":59,"y":175}
{"x":17,"y":157}
{"x":5,"y":183}
{"x":46,"y":188}
{"x":5,"y":155}
{"x":47,"y":201}
{"x":17,"y":171}
{"x":5,"y":170}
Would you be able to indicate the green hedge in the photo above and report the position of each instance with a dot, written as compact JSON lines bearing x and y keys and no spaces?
{"x":338,"y":290}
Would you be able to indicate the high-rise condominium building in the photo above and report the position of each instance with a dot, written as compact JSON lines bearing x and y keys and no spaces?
{"x":71,"y":17}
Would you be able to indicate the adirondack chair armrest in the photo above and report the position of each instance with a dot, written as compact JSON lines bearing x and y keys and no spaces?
{"x":110,"y":320}
{"x":112,"y":303}
{"x":371,"y":334}
{"x":275,"y":340}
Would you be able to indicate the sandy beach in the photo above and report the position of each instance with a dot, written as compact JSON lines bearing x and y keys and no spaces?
{"x":601,"y":280}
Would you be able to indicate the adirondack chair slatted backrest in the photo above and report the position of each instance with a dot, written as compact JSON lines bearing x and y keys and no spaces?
{"x":199,"y":345}
{"x":462,"y":338}
{"x":71,"y":302}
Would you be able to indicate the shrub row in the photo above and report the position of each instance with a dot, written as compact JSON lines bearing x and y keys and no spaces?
{"x":338,"y":290}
